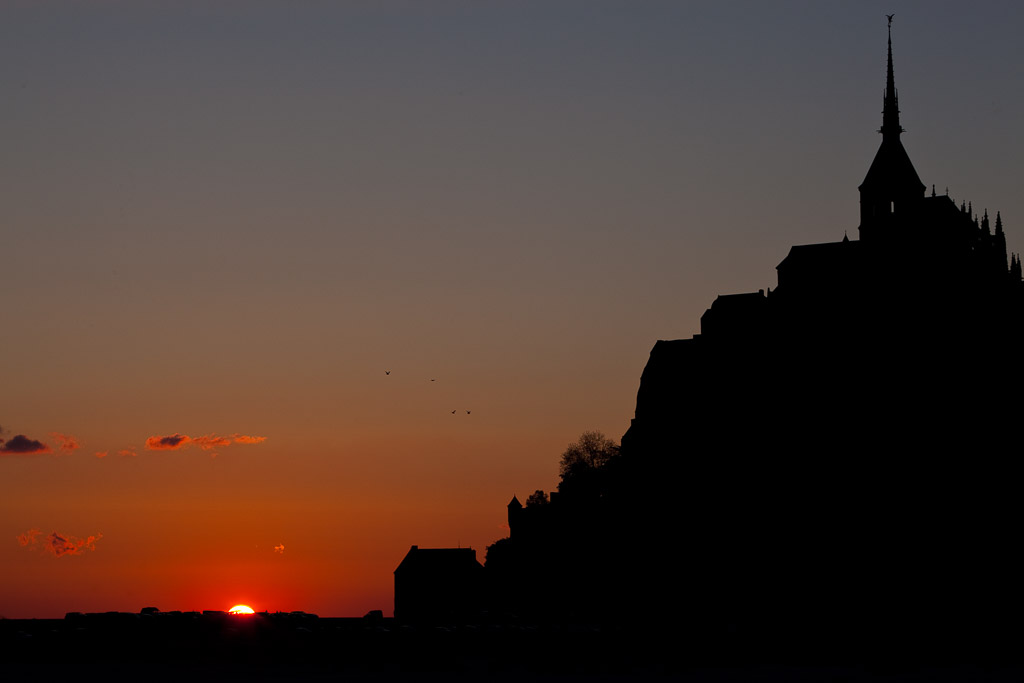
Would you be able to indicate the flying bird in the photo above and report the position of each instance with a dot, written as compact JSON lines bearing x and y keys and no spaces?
{"x":387,"y":372}
{"x":454,"y":411}
{"x":468,"y":412}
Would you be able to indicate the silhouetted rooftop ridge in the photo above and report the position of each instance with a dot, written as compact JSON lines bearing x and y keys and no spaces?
{"x":435,"y":557}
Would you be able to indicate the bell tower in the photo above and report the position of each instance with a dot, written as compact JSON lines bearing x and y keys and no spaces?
{"x":892,"y":186}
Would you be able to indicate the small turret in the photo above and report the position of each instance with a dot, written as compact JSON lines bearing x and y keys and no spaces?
{"x":514,"y":509}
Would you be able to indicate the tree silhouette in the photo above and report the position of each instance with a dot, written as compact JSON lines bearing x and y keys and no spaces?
{"x":498,"y":553}
{"x":538,"y":497}
{"x":584,"y":461}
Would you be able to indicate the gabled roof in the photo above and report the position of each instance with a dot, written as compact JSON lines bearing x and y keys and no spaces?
{"x":820,"y":255}
{"x":439,"y":560}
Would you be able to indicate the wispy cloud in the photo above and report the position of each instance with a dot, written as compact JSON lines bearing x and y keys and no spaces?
{"x":22,"y":445}
{"x":279,"y":549}
{"x":124,"y":453}
{"x":70,"y":545}
{"x":207,"y":442}
{"x":66,"y":443}
{"x":58,"y":544}
{"x":211,"y":441}
{"x":29,"y":537}
{"x":242,"y":438}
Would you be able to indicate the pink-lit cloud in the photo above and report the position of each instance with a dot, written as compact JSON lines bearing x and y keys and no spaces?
{"x":22,"y":445}
{"x":167,"y":443}
{"x":66,"y":443}
{"x":279,"y":549}
{"x":127,"y":453}
{"x":102,"y":454}
{"x":58,"y":544}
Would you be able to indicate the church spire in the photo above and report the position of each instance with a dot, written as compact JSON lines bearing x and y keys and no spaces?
{"x":891,"y":185}
{"x":890,"y":109}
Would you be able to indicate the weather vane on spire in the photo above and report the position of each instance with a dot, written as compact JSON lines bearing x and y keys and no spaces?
{"x":889,"y":17}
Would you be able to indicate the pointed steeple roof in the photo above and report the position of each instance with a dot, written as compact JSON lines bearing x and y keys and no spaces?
{"x":892,"y":173}
{"x":890,"y":108}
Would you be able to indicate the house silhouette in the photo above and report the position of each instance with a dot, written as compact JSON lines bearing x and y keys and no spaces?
{"x":438,"y":585}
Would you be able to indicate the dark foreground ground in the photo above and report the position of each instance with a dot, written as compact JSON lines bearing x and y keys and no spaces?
{"x":297,"y":647}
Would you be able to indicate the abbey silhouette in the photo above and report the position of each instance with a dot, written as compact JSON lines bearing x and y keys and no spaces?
{"x":842,"y":448}
{"x":906,"y":336}
{"x":832,"y":458}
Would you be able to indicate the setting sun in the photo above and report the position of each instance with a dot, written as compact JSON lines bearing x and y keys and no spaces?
{"x":241,"y":609}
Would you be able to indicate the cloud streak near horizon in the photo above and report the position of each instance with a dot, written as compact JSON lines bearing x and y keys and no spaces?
{"x":22,"y":445}
{"x":167,"y":443}
{"x":66,"y":443}
{"x":19,"y":444}
{"x":242,"y":438}
{"x":206,"y":442}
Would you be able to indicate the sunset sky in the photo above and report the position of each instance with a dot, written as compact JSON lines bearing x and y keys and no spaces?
{"x":222,"y":221}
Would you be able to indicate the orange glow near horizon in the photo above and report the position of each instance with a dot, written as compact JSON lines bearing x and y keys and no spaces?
{"x":241,"y":609}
